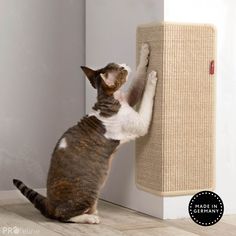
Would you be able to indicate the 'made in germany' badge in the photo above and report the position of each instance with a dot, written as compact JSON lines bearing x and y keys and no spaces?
{"x":206,"y":208}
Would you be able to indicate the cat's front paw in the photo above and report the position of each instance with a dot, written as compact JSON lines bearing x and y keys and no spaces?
{"x":152,"y":77}
{"x":144,"y":55}
{"x":145,"y":49}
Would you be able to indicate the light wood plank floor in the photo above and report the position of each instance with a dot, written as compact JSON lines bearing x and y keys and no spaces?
{"x":24,"y":219}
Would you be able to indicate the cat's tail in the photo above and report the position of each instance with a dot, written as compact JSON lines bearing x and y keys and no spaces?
{"x":39,"y":201}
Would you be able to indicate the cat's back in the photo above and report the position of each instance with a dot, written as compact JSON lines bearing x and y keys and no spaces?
{"x":88,"y":136}
{"x":80,"y":151}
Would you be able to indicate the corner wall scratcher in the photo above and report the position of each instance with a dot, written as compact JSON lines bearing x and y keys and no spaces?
{"x":177,"y":156}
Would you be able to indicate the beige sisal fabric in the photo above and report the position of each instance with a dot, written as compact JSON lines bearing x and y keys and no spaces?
{"x":177,"y":155}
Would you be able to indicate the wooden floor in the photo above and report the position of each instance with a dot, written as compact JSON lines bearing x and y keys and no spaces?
{"x":24,"y":219}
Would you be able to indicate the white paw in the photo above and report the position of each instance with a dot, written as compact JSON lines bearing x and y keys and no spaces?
{"x":144,"y":54}
{"x":152,"y":77}
{"x":93,"y":219}
{"x":85,"y":219}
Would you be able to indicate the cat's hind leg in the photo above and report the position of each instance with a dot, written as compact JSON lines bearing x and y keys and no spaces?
{"x":88,"y":217}
{"x":93,"y":209}
{"x":71,"y":213}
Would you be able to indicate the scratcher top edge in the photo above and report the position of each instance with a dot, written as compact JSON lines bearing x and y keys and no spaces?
{"x":177,"y":24}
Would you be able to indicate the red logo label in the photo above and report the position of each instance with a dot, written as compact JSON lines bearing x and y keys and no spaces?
{"x":212,"y":67}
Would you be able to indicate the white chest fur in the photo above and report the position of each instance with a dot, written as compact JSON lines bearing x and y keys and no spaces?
{"x":128,"y":124}
{"x":116,"y":125}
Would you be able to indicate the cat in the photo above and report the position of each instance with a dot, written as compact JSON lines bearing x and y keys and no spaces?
{"x":82,"y":157}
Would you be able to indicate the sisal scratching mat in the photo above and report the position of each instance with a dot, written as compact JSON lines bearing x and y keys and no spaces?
{"x":177,"y":156}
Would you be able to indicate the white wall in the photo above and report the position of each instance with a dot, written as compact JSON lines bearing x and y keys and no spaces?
{"x":221,"y":13}
{"x":111,"y":36}
{"x":41,"y":84}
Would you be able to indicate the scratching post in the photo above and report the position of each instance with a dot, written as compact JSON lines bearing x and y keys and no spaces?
{"x":176,"y":157}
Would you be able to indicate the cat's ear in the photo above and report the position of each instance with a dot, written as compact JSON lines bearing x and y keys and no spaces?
{"x":109,"y":81}
{"x":90,"y":74}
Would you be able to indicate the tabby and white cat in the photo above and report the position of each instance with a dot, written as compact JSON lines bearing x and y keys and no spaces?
{"x":82,"y":156}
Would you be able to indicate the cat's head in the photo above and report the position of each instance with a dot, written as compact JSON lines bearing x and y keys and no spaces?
{"x":108,"y":79}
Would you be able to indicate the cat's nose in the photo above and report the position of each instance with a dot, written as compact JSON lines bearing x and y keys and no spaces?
{"x":125,"y":67}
